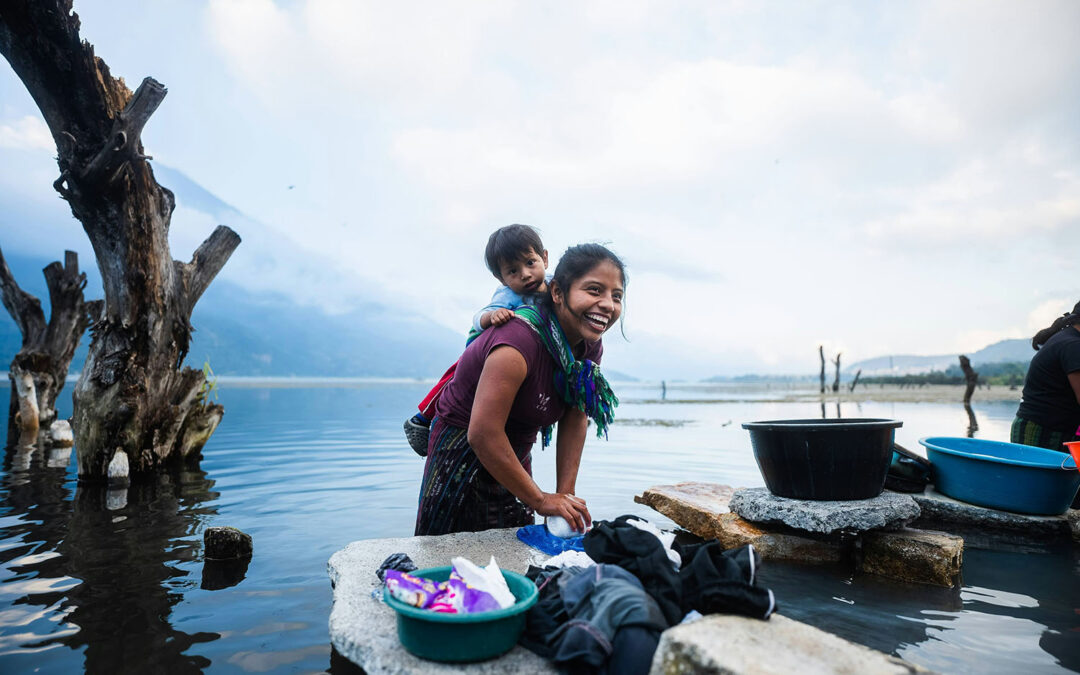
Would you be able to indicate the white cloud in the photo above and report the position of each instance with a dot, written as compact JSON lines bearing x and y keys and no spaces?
{"x":26,"y":133}
{"x":776,"y":176}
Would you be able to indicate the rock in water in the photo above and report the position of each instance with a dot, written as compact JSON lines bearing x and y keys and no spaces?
{"x":887,"y":511}
{"x":60,"y":434}
{"x":118,"y":469}
{"x":226,"y":543}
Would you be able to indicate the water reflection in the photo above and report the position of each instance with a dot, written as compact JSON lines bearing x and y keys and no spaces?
{"x":973,"y":424}
{"x":96,"y":571}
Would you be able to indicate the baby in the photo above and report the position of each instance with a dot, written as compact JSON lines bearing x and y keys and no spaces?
{"x":518,"y":259}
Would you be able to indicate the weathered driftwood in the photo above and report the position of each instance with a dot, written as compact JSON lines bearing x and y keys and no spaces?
{"x":39,"y":369}
{"x":133,"y":396}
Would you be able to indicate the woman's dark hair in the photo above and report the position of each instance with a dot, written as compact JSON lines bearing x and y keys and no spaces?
{"x":1064,"y":321}
{"x":510,"y":243}
{"x":576,"y":263}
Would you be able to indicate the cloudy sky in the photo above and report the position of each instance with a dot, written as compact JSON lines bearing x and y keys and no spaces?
{"x":880,"y":178}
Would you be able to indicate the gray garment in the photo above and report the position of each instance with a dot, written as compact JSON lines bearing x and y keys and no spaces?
{"x":599,"y":601}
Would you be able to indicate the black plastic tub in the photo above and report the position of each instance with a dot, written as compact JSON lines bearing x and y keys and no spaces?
{"x":830,"y":459}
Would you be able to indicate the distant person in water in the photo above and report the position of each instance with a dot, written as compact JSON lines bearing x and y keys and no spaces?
{"x":536,"y":371}
{"x":516,"y":256}
{"x":1049,"y":412}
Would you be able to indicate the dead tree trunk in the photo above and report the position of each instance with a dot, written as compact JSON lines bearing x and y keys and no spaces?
{"x":821,"y":354}
{"x":836,"y":382}
{"x":133,"y":396}
{"x":39,"y":369}
{"x":856,"y":380}
{"x":970,"y":376}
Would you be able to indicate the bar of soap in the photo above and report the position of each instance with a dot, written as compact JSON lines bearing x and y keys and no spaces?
{"x":560,"y":527}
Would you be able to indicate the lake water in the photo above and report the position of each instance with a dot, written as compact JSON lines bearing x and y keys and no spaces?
{"x":97,"y":581}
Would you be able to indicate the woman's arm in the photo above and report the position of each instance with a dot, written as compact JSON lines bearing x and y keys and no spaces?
{"x":504,"y":371}
{"x":568,"y":445}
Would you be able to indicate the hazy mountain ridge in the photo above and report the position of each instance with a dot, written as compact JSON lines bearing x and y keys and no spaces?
{"x":1003,"y":351}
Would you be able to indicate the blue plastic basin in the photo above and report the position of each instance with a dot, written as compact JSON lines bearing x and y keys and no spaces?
{"x":1006,"y":476}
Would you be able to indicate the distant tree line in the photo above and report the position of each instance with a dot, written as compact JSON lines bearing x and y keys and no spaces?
{"x":1005,"y":374}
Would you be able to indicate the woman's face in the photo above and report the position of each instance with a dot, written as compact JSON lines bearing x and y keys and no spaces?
{"x":591,"y":305}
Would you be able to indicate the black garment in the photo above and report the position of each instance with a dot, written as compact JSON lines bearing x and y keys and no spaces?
{"x":395,"y":561}
{"x":582,"y":616}
{"x":1048,"y":398}
{"x":632,"y":651}
{"x":715,"y":580}
{"x":710,"y":579}
{"x":640,"y":553}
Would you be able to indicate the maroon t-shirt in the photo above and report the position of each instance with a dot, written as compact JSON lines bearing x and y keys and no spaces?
{"x":537,"y":403}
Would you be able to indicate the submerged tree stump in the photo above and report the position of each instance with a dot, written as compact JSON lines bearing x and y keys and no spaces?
{"x":39,"y":370}
{"x":134,"y":396}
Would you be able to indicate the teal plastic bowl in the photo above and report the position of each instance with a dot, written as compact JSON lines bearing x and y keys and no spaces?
{"x":1005,"y":476}
{"x":460,"y":638}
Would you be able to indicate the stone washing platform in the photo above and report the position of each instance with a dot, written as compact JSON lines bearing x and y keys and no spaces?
{"x":797,"y":530}
{"x":364,"y":630}
{"x":780,"y":646}
{"x":945,"y":512}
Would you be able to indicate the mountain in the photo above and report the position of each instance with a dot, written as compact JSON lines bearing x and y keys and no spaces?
{"x":1014,"y":350}
{"x":241,"y":332}
{"x":275,"y":309}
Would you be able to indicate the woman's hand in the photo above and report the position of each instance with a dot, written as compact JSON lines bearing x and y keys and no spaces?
{"x":570,"y":507}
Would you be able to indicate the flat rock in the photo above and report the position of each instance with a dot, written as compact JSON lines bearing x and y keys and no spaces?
{"x":941,"y":510}
{"x":693,"y":506}
{"x":364,"y":630}
{"x":887,"y":511}
{"x":917,"y":556}
{"x":734,"y":645}
{"x":702,"y":509}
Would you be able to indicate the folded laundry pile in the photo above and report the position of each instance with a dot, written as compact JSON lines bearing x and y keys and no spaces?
{"x":608,"y":617}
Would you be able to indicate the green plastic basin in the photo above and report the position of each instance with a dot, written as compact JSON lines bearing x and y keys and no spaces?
{"x":460,"y":638}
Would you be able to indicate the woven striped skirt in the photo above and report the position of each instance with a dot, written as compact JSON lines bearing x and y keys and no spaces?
{"x":1027,"y":432}
{"x":458,"y":494}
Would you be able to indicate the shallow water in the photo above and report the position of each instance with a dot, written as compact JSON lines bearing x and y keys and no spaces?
{"x":112,"y":583}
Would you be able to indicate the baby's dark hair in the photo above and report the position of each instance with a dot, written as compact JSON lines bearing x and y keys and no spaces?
{"x":511,"y":243}
{"x":576,"y":263}
{"x":1064,"y":321}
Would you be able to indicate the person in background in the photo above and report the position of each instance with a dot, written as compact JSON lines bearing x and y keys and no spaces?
{"x":535,"y":371}
{"x":1049,"y":412}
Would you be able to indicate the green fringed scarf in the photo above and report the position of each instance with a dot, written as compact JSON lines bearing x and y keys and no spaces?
{"x":580,"y":383}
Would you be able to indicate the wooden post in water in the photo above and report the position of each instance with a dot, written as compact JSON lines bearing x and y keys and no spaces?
{"x":970,"y":376}
{"x":856,"y":380}
{"x":821,"y":355}
{"x":836,"y":382}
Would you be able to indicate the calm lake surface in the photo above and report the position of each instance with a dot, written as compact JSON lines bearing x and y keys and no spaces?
{"x":106,"y":582}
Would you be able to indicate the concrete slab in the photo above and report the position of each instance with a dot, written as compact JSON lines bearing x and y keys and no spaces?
{"x":941,"y":511}
{"x":734,"y":645}
{"x":887,"y":511}
{"x":364,"y":630}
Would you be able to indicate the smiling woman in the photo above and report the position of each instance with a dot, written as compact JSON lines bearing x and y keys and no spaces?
{"x":514,"y":380}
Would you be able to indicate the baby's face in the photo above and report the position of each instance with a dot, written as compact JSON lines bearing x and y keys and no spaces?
{"x":525,"y":276}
